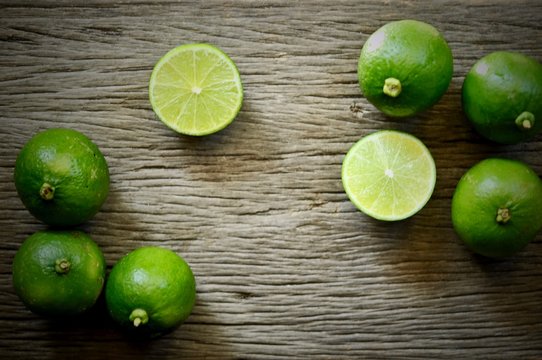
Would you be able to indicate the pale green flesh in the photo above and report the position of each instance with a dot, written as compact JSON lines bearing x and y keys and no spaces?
{"x":389,"y":175}
{"x":196,"y":89}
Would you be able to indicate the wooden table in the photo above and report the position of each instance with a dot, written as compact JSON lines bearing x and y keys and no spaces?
{"x":286,"y":267}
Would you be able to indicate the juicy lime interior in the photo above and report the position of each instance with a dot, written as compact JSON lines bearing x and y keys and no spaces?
{"x":196,"y":89}
{"x":389,"y":175}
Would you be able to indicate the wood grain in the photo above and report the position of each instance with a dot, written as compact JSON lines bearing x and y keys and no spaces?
{"x":286,"y":267}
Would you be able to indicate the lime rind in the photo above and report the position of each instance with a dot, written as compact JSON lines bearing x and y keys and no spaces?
{"x":413,"y":53}
{"x":196,"y":89}
{"x":389,"y":175}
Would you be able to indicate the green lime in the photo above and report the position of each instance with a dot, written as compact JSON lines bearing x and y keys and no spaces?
{"x":389,"y":175}
{"x":502,"y":97}
{"x":405,"y":67}
{"x":195,"y":89}
{"x":61,"y":177}
{"x":150,"y":291}
{"x":58,"y":273}
{"x":496,"y":207}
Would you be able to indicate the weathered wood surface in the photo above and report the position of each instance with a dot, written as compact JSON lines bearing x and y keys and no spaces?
{"x":285,"y":265}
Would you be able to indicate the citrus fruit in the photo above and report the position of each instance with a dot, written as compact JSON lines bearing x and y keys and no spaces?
{"x":61,"y":177}
{"x":405,"y":67}
{"x":496,"y":207}
{"x":502,"y":97}
{"x":58,"y":273}
{"x":195,"y":89}
{"x":150,"y":291}
{"x":389,"y":175}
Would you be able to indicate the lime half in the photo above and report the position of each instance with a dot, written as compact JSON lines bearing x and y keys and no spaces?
{"x":195,"y":89}
{"x":389,"y":175}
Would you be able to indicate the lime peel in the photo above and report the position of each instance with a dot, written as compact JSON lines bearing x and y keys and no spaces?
{"x":413,"y":58}
{"x":510,"y":84}
{"x":58,"y":273}
{"x":61,"y":177}
{"x":161,"y":299}
{"x":496,"y":207}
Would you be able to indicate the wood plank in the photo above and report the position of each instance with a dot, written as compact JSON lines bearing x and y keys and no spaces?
{"x":285,"y":265}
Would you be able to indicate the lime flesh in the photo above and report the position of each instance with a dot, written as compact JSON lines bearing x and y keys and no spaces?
{"x":389,"y":175}
{"x":196,"y":89}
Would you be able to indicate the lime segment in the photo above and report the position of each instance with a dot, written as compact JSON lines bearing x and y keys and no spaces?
{"x":196,"y":89}
{"x":389,"y":175}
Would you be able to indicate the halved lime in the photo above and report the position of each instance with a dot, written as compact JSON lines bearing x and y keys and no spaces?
{"x":389,"y":175}
{"x":195,"y":89}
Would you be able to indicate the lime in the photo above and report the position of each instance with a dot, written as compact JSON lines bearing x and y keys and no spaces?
{"x":195,"y":89}
{"x":502,"y":97}
{"x":150,"y":291}
{"x":405,"y":67}
{"x":389,"y":175}
{"x":496,"y":207}
{"x":61,"y":177}
{"x":58,"y":273}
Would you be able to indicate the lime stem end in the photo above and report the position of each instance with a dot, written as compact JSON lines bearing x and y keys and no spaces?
{"x":525,"y":121}
{"x":138,"y":317}
{"x":503,"y":215}
{"x":392,"y":87}
{"x":62,"y":266}
{"x":47,"y":192}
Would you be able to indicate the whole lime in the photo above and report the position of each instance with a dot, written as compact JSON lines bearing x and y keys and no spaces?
{"x":502,"y":97}
{"x":61,"y":177}
{"x":496,"y":207}
{"x":405,"y":67}
{"x":150,"y":291}
{"x":58,"y":273}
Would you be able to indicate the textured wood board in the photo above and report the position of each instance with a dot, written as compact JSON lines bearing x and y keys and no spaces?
{"x":285,"y":265}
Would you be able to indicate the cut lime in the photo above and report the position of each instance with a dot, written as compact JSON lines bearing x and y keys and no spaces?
{"x":389,"y":175}
{"x":195,"y":89}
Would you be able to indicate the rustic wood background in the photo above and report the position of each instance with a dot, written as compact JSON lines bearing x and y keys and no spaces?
{"x":286,"y":267}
